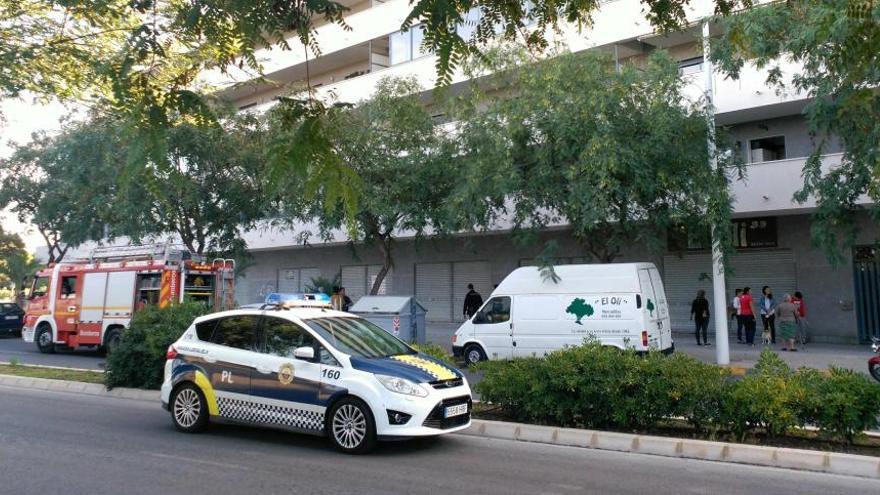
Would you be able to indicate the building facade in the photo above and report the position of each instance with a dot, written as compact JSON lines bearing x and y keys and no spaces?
{"x":771,"y":231}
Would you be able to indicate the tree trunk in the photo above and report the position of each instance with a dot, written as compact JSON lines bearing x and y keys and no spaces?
{"x":385,"y":245}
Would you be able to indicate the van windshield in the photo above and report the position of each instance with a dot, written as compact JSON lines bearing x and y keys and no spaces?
{"x":359,"y":337}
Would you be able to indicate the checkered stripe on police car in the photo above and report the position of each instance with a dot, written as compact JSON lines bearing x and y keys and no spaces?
{"x":256,"y":412}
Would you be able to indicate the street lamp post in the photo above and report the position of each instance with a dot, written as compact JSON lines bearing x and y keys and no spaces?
{"x":722,"y":349}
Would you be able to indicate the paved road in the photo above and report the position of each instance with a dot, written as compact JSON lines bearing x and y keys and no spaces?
{"x":27,"y":353}
{"x":55,"y":442}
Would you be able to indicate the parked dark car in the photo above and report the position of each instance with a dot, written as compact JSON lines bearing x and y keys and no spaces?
{"x":11,"y":317}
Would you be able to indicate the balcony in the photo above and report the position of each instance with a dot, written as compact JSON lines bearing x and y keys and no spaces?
{"x":768,"y":187}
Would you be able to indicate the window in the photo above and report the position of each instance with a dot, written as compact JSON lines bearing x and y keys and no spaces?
{"x":755,"y":233}
{"x":497,"y":310}
{"x":40,"y":287}
{"x":236,"y":331}
{"x":359,"y":337}
{"x":283,"y":337}
{"x":205,"y":329}
{"x":406,"y":46}
{"x":767,"y":149}
{"x":68,"y":287}
{"x":690,"y":66}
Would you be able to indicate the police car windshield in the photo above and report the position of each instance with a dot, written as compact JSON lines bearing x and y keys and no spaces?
{"x":359,"y":337}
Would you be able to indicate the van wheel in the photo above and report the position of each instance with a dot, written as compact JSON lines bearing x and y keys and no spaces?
{"x":44,"y":340}
{"x":473,"y":354}
{"x":351,"y":427}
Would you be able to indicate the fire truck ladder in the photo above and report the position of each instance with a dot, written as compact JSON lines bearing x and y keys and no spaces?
{"x":166,"y":252}
{"x":226,"y":270}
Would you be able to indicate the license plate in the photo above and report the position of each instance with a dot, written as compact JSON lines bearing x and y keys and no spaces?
{"x":11,"y":318}
{"x":458,"y":410}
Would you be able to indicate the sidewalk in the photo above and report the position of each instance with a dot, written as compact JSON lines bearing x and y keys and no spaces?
{"x":819,"y":356}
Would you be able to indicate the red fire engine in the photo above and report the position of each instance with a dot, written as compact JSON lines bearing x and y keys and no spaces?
{"x":90,"y":302}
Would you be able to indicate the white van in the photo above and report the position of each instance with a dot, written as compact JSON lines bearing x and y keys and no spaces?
{"x":619,"y":304}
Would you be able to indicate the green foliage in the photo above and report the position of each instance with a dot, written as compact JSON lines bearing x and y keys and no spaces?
{"x":529,"y":22}
{"x":207,"y":190}
{"x":317,"y":284}
{"x":610,"y":152}
{"x":64,"y":184}
{"x":388,"y":149}
{"x":765,"y":398}
{"x":848,"y":404}
{"x":435,"y":351}
{"x":604,"y":387}
{"x":139,"y":360}
{"x":837,"y":46}
{"x":15,"y":262}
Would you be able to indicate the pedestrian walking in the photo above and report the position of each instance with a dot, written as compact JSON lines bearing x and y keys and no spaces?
{"x":700,"y":315}
{"x":336,"y":300}
{"x":747,"y":312}
{"x":737,"y":315}
{"x":787,"y":317}
{"x":767,"y":306}
{"x":472,"y":302}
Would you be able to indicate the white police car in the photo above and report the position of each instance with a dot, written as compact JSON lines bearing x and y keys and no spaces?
{"x":310,"y":370}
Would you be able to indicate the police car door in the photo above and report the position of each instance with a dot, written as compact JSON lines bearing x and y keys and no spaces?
{"x":229,"y":358}
{"x":286,"y":390}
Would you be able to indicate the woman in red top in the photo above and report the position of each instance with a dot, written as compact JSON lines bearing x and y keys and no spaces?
{"x":748,"y":314}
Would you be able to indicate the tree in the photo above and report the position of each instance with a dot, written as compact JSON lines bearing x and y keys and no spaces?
{"x":838,"y":45}
{"x":620,"y":157}
{"x":390,"y":145}
{"x":16,"y":264}
{"x":208,"y":194}
{"x":63,"y":184}
{"x":579,"y":308}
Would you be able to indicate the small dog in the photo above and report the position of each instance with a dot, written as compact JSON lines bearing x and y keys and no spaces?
{"x":765,"y":337}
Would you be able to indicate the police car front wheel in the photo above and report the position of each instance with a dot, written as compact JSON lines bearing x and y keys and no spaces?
{"x":189,"y":410}
{"x":351,"y":426}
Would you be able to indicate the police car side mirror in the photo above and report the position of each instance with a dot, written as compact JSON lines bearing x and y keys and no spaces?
{"x":304,"y":353}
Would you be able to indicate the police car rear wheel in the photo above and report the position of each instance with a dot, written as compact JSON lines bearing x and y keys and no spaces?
{"x":473,"y":354}
{"x":351,"y":426}
{"x":189,"y":411}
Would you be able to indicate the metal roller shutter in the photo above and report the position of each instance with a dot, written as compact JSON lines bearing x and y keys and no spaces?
{"x":354,"y":279}
{"x":372,"y":273}
{"x":434,"y":290}
{"x":288,"y":280}
{"x":683,"y":276}
{"x":478,"y":273}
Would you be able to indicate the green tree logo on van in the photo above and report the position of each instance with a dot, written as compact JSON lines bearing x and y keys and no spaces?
{"x":579,"y":308}
{"x":650,"y":307}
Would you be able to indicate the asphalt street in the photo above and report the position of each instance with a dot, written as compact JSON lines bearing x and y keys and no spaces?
{"x":13,"y":348}
{"x":56,"y":442}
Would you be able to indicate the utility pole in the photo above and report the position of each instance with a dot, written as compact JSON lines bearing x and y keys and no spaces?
{"x":722,"y":346}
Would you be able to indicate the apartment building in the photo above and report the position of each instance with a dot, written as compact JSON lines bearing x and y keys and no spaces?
{"x":771,"y":231}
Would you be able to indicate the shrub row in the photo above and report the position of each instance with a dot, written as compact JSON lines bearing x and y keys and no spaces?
{"x":595,"y":386}
{"x":139,"y":359}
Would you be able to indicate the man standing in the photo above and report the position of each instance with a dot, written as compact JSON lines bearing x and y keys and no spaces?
{"x":700,"y":315}
{"x":737,"y":314}
{"x":748,"y":315}
{"x":472,"y":302}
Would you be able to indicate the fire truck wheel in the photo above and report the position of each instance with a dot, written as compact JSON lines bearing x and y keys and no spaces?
{"x":44,"y":340}
{"x":112,"y":340}
{"x":189,"y":409}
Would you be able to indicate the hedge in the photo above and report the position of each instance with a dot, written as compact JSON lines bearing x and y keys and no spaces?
{"x":139,"y":359}
{"x":594,"y":386}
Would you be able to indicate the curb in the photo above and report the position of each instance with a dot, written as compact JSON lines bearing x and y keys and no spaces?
{"x":778,"y":457}
{"x":95,"y":389}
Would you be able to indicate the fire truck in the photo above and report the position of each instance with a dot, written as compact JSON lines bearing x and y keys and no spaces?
{"x":90,"y":302}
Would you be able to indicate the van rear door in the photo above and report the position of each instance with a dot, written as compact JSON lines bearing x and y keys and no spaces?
{"x":656,"y":309}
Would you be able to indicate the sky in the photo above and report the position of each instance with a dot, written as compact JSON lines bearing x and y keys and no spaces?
{"x":22,"y":117}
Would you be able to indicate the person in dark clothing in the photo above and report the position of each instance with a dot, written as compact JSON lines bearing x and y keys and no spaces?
{"x":700,"y":315}
{"x":472,"y":302}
